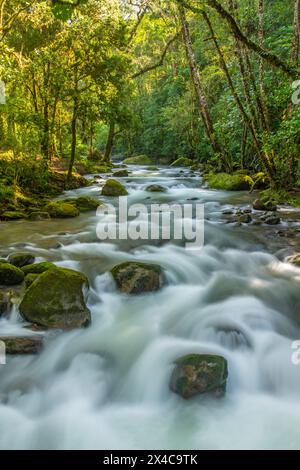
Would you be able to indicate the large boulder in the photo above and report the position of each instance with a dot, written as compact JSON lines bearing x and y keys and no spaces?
{"x":12,"y":215}
{"x":56,"y":300}
{"x":226,"y":182}
{"x":10,"y":275}
{"x":113,"y":188}
{"x":22,"y":344}
{"x":199,"y":373}
{"x":134,"y":277}
{"x":38,"y":268}
{"x":21,"y":259}
{"x":138,"y":160}
{"x":182,"y":161}
{"x":62,"y":210}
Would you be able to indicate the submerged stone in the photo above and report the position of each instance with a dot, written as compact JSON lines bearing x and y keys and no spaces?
{"x":21,"y":259}
{"x":56,"y":300}
{"x":199,"y":373}
{"x":39,"y":215}
{"x":22,"y":344}
{"x":134,"y":277}
{"x":156,"y":188}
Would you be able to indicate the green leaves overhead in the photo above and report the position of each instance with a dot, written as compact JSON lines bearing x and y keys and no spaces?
{"x":63,"y":9}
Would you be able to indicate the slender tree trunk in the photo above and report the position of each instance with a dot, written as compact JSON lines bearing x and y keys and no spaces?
{"x":199,"y":91}
{"x":109,"y":142}
{"x":74,"y":136}
{"x":243,"y":146}
{"x":296,"y":36}
{"x":261,"y":100}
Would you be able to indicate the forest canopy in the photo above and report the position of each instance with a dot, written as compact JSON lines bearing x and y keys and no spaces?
{"x":208,"y":80}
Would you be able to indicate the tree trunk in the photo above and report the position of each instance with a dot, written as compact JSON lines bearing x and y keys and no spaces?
{"x":109,"y":142}
{"x":261,"y":100}
{"x":199,"y":91}
{"x":74,"y":137}
{"x":296,"y":36}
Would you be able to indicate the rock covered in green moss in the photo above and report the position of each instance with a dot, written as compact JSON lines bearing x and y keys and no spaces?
{"x":182,"y":161}
{"x":156,"y":188}
{"x":21,"y":259}
{"x":235,"y":182}
{"x":10,"y":275}
{"x":121,"y":173}
{"x":199,"y":373}
{"x":22,"y":344}
{"x":84,"y":203}
{"x":56,"y":300}
{"x":12,"y":215}
{"x":38,"y":268}
{"x":134,"y":277}
{"x":30,"y":278}
{"x":62,"y":210}
{"x":113,"y":188}
{"x":138,"y":160}
{"x":260,"y":205}
{"x":38,"y":215}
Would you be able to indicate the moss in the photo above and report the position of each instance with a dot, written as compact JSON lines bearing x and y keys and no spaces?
{"x":21,"y":259}
{"x":134,"y":277}
{"x":38,"y":215}
{"x":61,"y":210}
{"x":12,"y":215}
{"x":156,"y":188}
{"x":10,"y":275}
{"x":22,"y":345}
{"x":38,"y":268}
{"x":55,"y":300}
{"x":226,"y":182}
{"x":121,"y":173}
{"x":138,"y":160}
{"x":182,"y":161}
{"x":30,"y":278}
{"x":113,"y":188}
{"x":281,"y":197}
{"x":84,"y":203}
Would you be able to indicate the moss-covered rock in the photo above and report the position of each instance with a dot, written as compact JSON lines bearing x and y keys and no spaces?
{"x":10,"y":275}
{"x":121,"y":173}
{"x":113,"y":188}
{"x":182,"y":161}
{"x":156,"y":188}
{"x":12,"y":215}
{"x":38,"y":268}
{"x":61,"y":210}
{"x":199,"y":373}
{"x":236,"y":182}
{"x":260,"y":205}
{"x":56,"y":300}
{"x":84,"y":203}
{"x":138,"y":160}
{"x":30,"y":278}
{"x":21,"y":259}
{"x":134,"y":277}
{"x":22,"y":344}
{"x":38,"y":215}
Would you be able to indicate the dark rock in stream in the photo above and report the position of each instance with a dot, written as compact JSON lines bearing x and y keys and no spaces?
{"x":199,"y":373}
{"x":21,"y":259}
{"x":135,"y":277}
{"x":10,"y":275}
{"x":22,"y":344}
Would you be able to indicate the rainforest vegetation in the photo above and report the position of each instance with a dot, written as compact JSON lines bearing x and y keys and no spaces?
{"x":207,"y":81}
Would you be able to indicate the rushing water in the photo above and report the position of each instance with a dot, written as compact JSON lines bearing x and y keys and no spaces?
{"x":106,"y":387}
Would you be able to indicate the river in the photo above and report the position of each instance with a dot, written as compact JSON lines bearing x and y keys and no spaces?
{"x":107,"y":386}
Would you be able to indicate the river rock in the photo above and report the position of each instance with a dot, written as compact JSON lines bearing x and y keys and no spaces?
{"x":134,"y":277}
{"x":12,"y":215}
{"x":38,"y":215}
{"x":199,"y":373}
{"x":272,"y":219}
{"x":84,"y":203}
{"x":244,"y":218}
{"x":182,"y":161}
{"x":22,"y":344}
{"x":10,"y":275}
{"x":113,"y":188}
{"x":62,"y":210}
{"x":121,"y":173}
{"x":38,"y":268}
{"x":156,"y":188}
{"x":21,"y":259}
{"x":260,"y":205}
{"x":56,"y":300}
{"x":138,"y":160}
